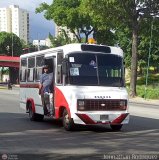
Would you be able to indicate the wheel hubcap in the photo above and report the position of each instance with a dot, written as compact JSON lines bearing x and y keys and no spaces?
{"x":67,"y":119}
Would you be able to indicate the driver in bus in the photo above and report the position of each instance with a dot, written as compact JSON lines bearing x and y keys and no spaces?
{"x":45,"y":90}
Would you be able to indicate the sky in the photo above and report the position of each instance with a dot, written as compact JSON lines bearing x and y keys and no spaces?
{"x":39,"y":26}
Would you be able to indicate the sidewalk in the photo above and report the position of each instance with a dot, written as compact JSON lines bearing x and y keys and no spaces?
{"x":6,"y":86}
{"x":139,"y":100}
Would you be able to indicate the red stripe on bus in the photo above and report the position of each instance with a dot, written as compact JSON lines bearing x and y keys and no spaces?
{"x":85,"y":118}
{"x":120,"y":119}
{"x":60,"y":101}
{"x":31,"y":85}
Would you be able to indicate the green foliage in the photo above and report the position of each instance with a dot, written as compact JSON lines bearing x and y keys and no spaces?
{"x":105,"y":37}
{"x":60,"y":40}
{"x":153,"y":79}
{"x":149,"y":93}
{"x":123,"y":35}
{"x":5,"y":70}
{"x":152,"y":89}
{"x":68,"y":14}
{"x":9,"y":41}
{"x":130,"y":21}
{"x":144,"y":43}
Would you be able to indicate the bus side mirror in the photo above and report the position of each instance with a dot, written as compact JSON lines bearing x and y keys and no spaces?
{"x":124,"y":67}
{"x":64,"y":67}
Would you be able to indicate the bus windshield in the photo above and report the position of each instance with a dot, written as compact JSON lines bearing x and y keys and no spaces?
{"x":96,"y":69}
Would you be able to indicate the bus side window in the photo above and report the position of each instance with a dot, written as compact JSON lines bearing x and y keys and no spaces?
{"x":23,"y":75}
{"x":39,"y":65}
{"x":23,"y":70}
{"x":31,"y":69}
{"x":30,"y":76}
{"x":38,"y":73}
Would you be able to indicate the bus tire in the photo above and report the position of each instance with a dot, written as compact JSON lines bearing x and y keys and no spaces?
{"x":116,"y":127}
{"x":68,"y":123}
{"x":34,"y":116}
{"x":39,"y":117}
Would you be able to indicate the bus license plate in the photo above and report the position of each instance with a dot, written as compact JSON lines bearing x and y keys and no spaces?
{"x":104,"y":117}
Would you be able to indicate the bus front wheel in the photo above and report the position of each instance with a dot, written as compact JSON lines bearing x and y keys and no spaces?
{"x":68,"y":123}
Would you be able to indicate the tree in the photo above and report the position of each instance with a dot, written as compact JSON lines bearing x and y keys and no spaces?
{"x":104,"y":36}
{"x":68,"y":14}
{"x":147,"y":27}
{"x":10,"y":44}
{"x":61,"y":39}
{"x":123,"y":35}
{"x":131,"y":14}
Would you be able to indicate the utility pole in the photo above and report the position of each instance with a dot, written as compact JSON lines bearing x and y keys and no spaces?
{"x":148,"y":59}
{"x":38,"y":45}
{"x":38,"y":42}
{"x":12,"y":44}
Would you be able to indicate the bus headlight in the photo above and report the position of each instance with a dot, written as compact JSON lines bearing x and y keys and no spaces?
{"x":123,"y":104}
{"x":80,"y":105}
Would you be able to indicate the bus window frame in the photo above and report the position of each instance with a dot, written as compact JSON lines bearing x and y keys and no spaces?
{"x":38,"y":67}
{"x":58,"y":72}
{"x":29,"y":69}
{"x":23,"y":68}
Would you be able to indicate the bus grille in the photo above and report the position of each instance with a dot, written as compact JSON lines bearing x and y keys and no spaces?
{"x":104,"y":105}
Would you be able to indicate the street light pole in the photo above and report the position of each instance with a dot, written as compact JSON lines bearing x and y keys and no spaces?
{"x":12,"y":44}
{"x":148,"y":59}
{"x":38,"y":42}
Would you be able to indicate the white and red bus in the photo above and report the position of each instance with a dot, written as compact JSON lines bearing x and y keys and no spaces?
{"x":88,"y":86}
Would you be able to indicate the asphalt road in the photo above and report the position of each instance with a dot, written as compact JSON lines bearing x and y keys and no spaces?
{"x":21,"y":138}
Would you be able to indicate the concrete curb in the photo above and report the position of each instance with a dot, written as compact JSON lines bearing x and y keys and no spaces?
{"x":3,"y":88}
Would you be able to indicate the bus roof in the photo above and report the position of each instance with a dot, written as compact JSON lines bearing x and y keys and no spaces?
{"x":68,"y":48}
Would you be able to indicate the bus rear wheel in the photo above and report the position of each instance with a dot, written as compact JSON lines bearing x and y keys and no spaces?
{"x":68,"y":123}
{"x":34,"y":116}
